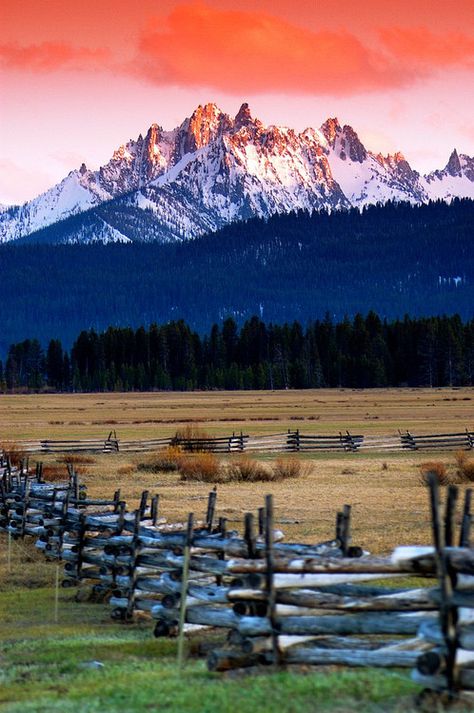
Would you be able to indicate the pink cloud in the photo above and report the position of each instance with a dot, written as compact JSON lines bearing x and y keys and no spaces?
{"x":50,"y":56}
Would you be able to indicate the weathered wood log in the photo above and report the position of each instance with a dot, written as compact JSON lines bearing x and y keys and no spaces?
{"x":209,"y":616}
{"x":372,"y":565}
{"x":258,"y":644}
{"x":409,"y":600}
{"x":355,"y":657}
{"x":364,"y":623}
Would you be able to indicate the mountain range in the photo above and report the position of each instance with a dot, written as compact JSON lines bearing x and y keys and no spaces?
{"x":213,"y":170}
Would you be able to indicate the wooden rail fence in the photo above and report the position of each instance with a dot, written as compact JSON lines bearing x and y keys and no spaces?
{"x":289,"y":441}
{"x":280,"y":603}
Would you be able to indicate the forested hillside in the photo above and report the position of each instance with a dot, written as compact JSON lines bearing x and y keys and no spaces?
{"x":393,"y":259}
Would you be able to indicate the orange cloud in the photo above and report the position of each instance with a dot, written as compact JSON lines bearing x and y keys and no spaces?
{"x":248,"y":52}
{"x":419,"y":46}
{"x":245,"y":52}
{"x":50,"y":56}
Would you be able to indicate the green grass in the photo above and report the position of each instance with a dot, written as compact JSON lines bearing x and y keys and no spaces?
{"x":43,"y":667}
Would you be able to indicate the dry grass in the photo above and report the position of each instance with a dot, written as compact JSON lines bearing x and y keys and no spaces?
{"x":465,"y":467}
{"x":191,"y":432}
{"x":248,"y":470}
{"x":201,"y":467}
{"x":389,"y":506}
{"x":285,"y":468}
{"x":206,"y":468}
{"x":148,"y":415}
{"x":457,"y":473}
{"x":13,"y":451}
{"x":54,"y":472}
{"x":126,"y":469}
{"x":164,"y":461}
{"x":438,"y":468}
{"x":77,"y":459}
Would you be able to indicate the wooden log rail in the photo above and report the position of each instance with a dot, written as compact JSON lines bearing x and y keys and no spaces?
{"x":445,"y":441}
{"x":290,"y":441}
{"x":282,"y":603}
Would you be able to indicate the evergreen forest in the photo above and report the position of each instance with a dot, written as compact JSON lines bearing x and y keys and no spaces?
{"x":393,"y":260}
{"x":362,"y":352}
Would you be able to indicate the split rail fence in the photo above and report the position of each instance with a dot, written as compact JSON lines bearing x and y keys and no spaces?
{"x":289,"y":441}
{"x":279,"y":603}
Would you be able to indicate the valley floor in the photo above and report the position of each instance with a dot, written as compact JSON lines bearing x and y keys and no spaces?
{"x":45,"y":665}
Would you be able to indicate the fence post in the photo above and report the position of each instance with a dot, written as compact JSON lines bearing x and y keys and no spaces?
{"x":211,"y":508}
{"x":184,"y":588}
{"x":448,"y":613}
{"x":270,"y":584}
{"x":464,"y":536}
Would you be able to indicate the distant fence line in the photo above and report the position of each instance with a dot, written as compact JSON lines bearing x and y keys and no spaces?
{"x":289,"y":441}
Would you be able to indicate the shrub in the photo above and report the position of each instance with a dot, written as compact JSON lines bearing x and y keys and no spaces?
{"x":439,"y":469}
{"x":192,"y":432}
{"x":206,"y":468}
{"x":465,"y":467}
{"x":202,"y":467}
{"x":54,"y":472}
{"x":126,"y":469}
{"x":247,"y":470}
{"x":14,"y":451}
{"x":164,"y":461}
{"x":285,"y":468}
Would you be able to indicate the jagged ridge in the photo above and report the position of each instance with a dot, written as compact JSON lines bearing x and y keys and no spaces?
{"x":214,"y":169}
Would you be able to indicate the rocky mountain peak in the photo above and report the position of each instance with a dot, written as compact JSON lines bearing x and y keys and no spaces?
{"x":453,"y":167}
{"x":351,"y":146}
{"x":243,"y":117}
{"x":205,"y":123}
{"x":214,"y":169}
{"x":152,"y":143}
{"x":331,"y":130}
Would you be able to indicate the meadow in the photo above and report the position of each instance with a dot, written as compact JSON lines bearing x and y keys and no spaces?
{"x":45,"y":664}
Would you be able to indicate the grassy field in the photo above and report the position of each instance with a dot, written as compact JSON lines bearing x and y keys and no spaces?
{"x":44,"y":665}
{"x":156,"y":414}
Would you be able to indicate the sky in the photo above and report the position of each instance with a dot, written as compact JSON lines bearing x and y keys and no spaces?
{"x":78,"y":79}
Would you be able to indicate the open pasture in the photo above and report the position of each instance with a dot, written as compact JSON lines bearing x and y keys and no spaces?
{"x":45,"y":663}
{"x":389,"y":504}
{"x":147,"y":415}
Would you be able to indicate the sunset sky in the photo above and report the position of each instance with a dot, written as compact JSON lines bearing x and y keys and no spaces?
{"x":77,"y":79}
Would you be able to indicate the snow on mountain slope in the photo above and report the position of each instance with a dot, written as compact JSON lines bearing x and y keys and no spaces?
{"x":456,"y":180}
{"x":213,"y":169}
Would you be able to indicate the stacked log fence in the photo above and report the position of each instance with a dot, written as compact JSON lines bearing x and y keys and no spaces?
{"x":279,"y":603}
{"x":291,"y":441}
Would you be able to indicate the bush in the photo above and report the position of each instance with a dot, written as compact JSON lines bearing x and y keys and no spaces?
{"x":55,"y":472}
{"x":439,"y":469}
{"x":285,"y":468}
{"x":201,"y":467}
{"x":205,"y":468}
{"x":126,"y":469}
{"x":192,"y":432}
{"x":164,"y":461}
{"x":465,"y":467}
{"x":247,"y":470}
{"x":14,"y":451}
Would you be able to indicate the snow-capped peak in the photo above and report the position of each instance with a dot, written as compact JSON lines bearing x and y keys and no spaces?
{"x":214,"y":168}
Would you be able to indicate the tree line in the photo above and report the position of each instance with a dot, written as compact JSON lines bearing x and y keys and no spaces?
{"x":362,"y":352}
